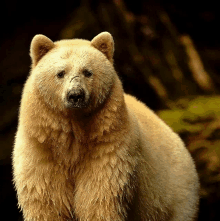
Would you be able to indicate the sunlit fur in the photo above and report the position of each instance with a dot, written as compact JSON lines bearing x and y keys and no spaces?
{"x":113,"y":160}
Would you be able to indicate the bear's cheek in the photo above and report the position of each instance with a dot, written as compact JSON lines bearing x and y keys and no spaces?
{"x":53,"y":96}
{"x":87,"y":94}
{"x":51,"y":91}
{"x":97,"y":93}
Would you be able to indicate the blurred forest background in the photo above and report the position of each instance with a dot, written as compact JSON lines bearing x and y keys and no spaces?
{"x":167,"y":55}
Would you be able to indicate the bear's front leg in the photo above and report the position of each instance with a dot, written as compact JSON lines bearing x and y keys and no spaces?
{"x":100,"y":192}
{"x":46,"y":206}
{"x":44,"y":194}
{"x":36,"y":207}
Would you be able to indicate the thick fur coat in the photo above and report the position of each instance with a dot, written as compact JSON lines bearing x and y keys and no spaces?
{"x":85,"y":150}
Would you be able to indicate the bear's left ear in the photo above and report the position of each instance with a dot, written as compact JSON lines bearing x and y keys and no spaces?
{"x":40,"y":45}
{"x":104,"y":42}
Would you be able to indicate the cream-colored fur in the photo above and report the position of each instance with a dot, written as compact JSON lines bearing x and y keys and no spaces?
{"x":112,"y":159}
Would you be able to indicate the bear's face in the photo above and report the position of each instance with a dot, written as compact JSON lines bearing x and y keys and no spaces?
{"x":73,"y":74}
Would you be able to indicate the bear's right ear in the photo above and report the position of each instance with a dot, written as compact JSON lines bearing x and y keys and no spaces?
{"x":40,"y":45}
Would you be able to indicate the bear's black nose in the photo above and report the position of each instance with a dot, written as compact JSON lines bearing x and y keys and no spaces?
{"x":76,"y":97}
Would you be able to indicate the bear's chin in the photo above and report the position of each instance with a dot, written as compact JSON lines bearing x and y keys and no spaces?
{"x":76,"y":105}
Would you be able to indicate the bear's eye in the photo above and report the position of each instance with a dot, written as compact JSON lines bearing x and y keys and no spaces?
{"x":61,"y":74}
{"x":87,"y":73}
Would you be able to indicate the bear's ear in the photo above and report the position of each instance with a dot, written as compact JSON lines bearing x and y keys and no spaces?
{"x":104,"y":42}
{"x":40,"y":45}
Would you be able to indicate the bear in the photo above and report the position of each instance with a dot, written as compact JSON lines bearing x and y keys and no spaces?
{"x":85,"y":150}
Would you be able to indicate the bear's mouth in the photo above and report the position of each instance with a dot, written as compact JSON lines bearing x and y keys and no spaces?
{"x":76,"y":98}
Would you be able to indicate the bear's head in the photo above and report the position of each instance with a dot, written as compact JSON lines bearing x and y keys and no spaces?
{"x":73,"y":74}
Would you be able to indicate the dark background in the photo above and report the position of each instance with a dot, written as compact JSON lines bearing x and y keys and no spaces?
{"x":147,"y":34}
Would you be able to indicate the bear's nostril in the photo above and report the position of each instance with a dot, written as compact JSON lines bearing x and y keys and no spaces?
{"x":74,"y":98}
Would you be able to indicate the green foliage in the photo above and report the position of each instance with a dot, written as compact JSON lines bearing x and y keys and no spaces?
{"x":194,"y":116}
